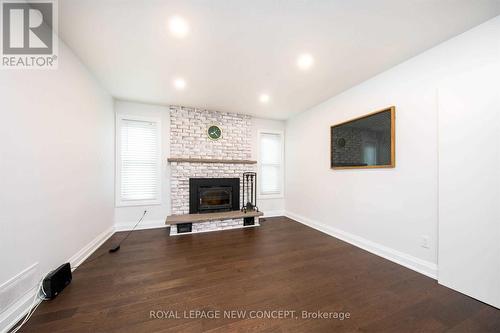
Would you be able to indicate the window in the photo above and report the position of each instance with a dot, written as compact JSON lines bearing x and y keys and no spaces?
{"x":138,"y":161}
{"x":271,"y":163}
{"x":370,"y":153}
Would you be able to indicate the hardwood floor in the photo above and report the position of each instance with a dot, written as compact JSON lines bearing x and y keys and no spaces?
{"x":281,"y":265}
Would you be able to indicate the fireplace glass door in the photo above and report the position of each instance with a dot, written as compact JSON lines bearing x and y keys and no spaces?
{"x":215,"y":198}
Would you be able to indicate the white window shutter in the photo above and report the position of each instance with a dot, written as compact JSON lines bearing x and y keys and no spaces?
{"x":140,"y":161}
{"x":271,"y":147}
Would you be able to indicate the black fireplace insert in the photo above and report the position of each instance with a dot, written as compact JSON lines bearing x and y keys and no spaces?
{"x":213,"y":194}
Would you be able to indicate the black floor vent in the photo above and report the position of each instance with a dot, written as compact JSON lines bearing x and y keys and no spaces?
{"x":249,"y":221}
{"x":184,"y":227}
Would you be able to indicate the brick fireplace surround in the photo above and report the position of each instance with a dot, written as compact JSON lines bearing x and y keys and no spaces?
{"x":189,"y":140}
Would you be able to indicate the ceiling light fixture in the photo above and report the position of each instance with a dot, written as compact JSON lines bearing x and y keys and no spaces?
{"x":264,"y":98}
{"x":179,"y":83}
{"x":178,"y":26}
{"x":305,"y":61}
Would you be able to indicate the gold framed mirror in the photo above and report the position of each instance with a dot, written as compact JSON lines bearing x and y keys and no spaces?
{"x":364,"y":142}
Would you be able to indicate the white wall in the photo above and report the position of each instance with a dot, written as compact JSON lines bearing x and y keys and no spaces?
{"x":469,"y":184}
{"x":56,"y":171}
{"x":386,"y":211}
{"x":126,"y":217}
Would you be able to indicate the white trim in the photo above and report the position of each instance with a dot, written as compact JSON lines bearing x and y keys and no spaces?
{"x":79,"y":257}
{"x":274,"y":195}
{"x":273,"y":213}
{"x":137,"y":203}
{"x":154,"y":119}
{"x":29,"y":275}
{"x":9,"y":316}
{"x":270,"y":196}
{"x":421,"y":266}
{"x":20,"y":308}
{"x":148,"y":224}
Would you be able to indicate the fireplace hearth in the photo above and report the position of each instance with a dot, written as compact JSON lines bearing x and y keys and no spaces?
{"x":213,"y":195}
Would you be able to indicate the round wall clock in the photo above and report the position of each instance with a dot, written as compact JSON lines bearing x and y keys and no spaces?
{"x":341,"y":142}
{"x":214,"y":132}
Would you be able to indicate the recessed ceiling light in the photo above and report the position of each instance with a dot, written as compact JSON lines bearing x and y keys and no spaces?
{"x":178,"y":26}
{"x":264,"y":98}
{"x":305,"y":61}
{"x":179,"y":83}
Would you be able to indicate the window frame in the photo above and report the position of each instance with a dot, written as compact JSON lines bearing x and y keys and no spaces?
{"x":118,"y":180}
{"x":281,"y":193}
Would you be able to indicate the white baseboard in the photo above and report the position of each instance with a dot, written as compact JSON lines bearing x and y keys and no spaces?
{"x":90,"y":248}
{"x":273,"y":213}
{"x":21,"y":307}
{"x":147,"y":224}
{"x":421,"y":266}
{"x":17,"y":310}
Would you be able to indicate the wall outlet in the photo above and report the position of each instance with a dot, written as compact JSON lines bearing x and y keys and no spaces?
{"x":424,"y":242}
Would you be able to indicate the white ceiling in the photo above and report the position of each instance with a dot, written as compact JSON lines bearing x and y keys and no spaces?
{"x":238,"y":49}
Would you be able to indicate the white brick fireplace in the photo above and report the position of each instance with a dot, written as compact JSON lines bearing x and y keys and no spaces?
{"x":194,"y":155}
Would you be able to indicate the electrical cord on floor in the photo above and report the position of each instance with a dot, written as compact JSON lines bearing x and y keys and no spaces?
{"x":116,"y":248}
{"x":37,"y":300}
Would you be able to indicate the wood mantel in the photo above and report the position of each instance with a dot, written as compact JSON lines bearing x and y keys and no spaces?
{"x":209,"y":160}
{"x":207,"y":217}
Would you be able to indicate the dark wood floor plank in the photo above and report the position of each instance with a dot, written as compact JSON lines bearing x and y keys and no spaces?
{"x":282,"y":265}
